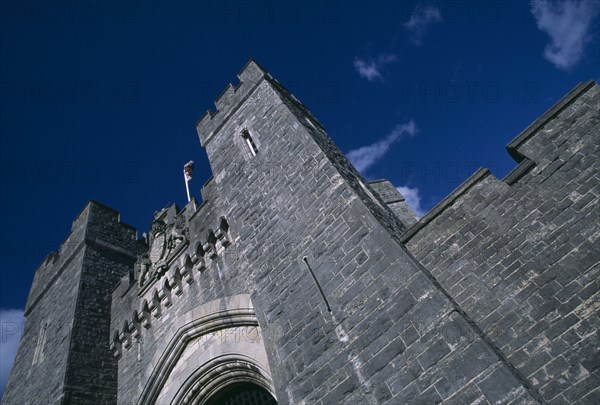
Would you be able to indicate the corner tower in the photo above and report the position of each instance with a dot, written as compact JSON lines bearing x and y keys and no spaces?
{"x":63,"y":356}
{"x":353,"y":317}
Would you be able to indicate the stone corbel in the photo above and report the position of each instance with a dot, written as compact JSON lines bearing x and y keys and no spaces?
{"x":155,"y":308}
{"x":222,"y":233}
{"x":186,"y":274}
{"x":116,"y":346}
{"x":125,"y":336}
{"x":175,"y":283}
{"x":209,"y":247}
{"x":145,"y":315}
{"x":164,"y":295}
{"x":200,"y":264}
{"x":134,"y":327}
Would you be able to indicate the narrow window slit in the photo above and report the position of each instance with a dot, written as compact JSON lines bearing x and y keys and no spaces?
{"x":317,"y":282}
{"x":249,"y":142}
{"x":38,"y":355}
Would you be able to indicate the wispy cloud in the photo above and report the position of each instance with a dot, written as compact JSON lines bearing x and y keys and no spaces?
{"x":11,"y":326}
{"x":371,"y":69}
{"x":421,"y":18}
{"x":413,"y":199}
{"x":568,"y":23}
{"x":366,"y":156}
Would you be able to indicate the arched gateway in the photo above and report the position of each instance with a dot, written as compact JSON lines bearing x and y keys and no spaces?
{"x":242,"y":394}
{"x":215,"y":358}
{"x":229,"y":379}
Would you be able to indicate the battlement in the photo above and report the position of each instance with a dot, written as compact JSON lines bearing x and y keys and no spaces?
{"x":394,"y":200}
{"x":160,"y":278}
{"x":307,"y":273}
{"x":519,"y":254}
{"x":250,"y":77}
{"x":524,"y":148}
{"x":95,"y":223}
{"x":169,"y":215}
{"x":78,"y":228}
{"x":516,"y":147}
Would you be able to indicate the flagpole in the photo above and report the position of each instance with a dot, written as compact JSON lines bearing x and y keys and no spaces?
{"x":187,"y":187}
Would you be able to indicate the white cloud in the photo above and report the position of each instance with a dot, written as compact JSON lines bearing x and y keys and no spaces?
{"x":420,"y":20}
{"x":413,"y":199}
{"x":568,"y":23}
{"x":371,"y":70}
{"x":366,"y":156}
{"x":11,"y":326}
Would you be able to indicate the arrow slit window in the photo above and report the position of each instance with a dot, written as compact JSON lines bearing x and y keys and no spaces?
{"x":38,"y":355}
{"x":249,"y":142}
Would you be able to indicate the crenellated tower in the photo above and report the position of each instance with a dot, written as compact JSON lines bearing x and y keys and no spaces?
{"x":296,"y":281}
{"x":63,"y":357}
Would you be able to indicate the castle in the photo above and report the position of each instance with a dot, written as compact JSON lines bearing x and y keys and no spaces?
{"x":298,"y":282}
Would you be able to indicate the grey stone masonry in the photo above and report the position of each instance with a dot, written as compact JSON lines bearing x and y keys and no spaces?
{"x":521,"y":256}
{"x":63,"y":357}
{"x":390,"y":334}
{"x":347,"y":316}
{"x":297,"y":276}
{"x":394,"y":200}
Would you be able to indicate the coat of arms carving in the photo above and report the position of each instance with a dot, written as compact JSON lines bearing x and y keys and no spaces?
{"x":166,"y":241}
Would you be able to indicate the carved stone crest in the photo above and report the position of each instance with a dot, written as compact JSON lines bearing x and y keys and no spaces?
{"x":168,"y":237}
{"x":158,"y":247}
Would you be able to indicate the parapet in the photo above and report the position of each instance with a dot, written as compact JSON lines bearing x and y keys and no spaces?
{"x":480,"y":175}
{"x":96,"y":223}
{"x":250,"y":77}
{"x":78,"y":230}
{"x":177,"y":256}
{"x":515,"y":147}
{"x":394,"y":200}
{"x":526,"y":149}
{"x":95,"y":211}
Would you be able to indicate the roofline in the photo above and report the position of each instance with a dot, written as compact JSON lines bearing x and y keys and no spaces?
{"x":564,"y":102}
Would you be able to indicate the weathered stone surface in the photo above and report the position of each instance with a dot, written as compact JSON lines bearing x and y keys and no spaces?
{"x":63,"y":356}
{"x":522,"y":259}
{"x":296,"y":275}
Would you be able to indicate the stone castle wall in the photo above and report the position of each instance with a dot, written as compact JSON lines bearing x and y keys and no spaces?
{"x":296,"y":275}
{"x":351,"y":333}
{"x":522,"y":256}
{"x":63,"y":356}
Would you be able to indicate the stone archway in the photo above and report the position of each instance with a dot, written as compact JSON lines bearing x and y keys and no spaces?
{"x":219,"y":347}
{"x":226,"y":378}
{"x":242,"y":394}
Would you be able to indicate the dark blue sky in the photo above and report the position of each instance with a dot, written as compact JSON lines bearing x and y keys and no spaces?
{"x":99,"y":100}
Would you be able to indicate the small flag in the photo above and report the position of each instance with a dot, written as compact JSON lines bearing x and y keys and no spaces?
{"x":188,"y":169}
